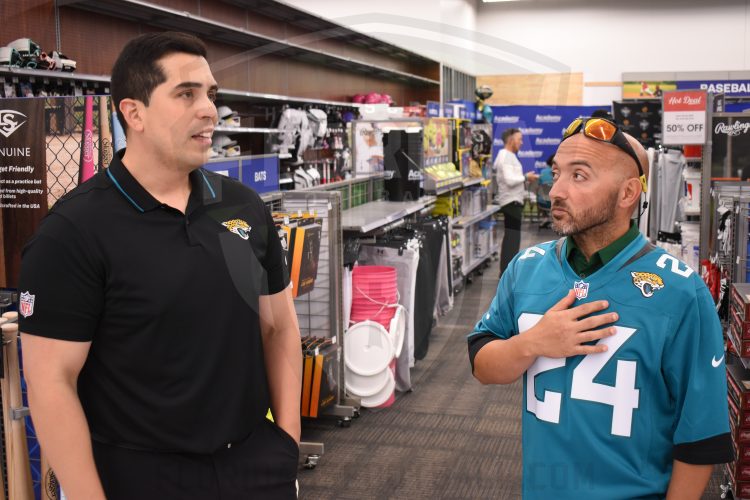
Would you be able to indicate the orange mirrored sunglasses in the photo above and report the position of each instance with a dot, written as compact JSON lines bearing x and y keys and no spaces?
{"x":604,"y":130}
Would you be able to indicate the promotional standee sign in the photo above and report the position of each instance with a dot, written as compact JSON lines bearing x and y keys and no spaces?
{"x":23,"y":186}
{"x":542,"y":128}
{"x":684,"y":117}
{"x":42,"y":148}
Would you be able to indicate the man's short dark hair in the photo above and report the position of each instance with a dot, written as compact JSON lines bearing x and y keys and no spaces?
{"x":508,"y":132}
{"x":136,"y":72}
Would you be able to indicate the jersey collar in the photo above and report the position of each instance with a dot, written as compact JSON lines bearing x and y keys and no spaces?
{"x":599,"y":259}
{"x":205,"y":188}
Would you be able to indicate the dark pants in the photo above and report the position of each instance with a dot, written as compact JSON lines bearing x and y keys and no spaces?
{"x":512,"y":235}
{"x":263,"y":466}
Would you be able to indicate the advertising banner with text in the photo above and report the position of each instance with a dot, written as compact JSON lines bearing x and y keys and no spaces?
{"x":541,"y":126}
{"x":44,"y":142}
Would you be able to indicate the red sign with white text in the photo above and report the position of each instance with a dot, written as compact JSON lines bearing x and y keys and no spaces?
{"x":684,"y":117}
{"x":685,"y":100}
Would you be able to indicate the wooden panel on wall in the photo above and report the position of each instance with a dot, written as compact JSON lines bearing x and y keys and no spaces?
{"x":95,"y":40}
{"x":225,"y":13}
{"x":229,"y":66}
{"x":550,"y":89}
{"x":33,"y":19}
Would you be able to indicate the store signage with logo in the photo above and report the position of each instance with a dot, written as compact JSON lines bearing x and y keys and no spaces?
{"x":735,"y":129}
{"x":541,"y":126}
{"x":684,"y":117}
{"x":733,"y":88}
{"x":23,"y":177}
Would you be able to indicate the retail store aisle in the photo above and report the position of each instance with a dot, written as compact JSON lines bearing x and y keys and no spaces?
{"x":450,"y":437}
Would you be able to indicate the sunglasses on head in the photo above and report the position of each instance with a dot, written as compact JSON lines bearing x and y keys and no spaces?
{"x":604,"y":130}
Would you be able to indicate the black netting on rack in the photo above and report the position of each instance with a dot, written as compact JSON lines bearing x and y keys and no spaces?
{"x":71,"y":144}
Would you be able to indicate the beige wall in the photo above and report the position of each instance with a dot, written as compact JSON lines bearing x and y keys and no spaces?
{"x":546,"y":89}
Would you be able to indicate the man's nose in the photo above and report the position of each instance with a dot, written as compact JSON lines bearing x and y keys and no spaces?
{"x":208,"y":110}
{"x":557,"y":191}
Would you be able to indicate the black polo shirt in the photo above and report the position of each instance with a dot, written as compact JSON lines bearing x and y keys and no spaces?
{"x":169,"y":301}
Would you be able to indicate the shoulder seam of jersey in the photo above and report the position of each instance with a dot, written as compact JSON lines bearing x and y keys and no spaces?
{"x":645,"y":249}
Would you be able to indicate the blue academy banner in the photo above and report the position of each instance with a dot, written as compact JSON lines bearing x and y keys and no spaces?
{"x":542,"y":128}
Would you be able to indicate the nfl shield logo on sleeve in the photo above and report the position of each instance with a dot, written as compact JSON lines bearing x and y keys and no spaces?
{"x":26,"y":304}
{"x":582,"y":289}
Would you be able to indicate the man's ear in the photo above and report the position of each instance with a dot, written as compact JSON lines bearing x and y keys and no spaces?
{"x":132,"y":110}
{"x":630,"y":192}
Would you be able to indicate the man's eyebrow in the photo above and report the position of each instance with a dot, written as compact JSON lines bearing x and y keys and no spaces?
{"x":194,"y":85}
{"x":581,"y":163}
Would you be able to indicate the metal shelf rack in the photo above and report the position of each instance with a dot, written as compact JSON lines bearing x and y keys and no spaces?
{"x":254,"y":43}
{"x":377,"y":214}
{"x":471,"y":219}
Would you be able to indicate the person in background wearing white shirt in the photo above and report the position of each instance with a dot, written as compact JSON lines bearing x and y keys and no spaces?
{"x":510,"y":193}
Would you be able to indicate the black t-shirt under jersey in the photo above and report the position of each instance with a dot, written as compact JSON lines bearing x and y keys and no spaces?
{"x":169,"y":302}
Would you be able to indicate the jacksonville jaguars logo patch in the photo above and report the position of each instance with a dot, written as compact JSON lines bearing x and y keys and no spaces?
{"x":647,"y":283}
{"x":238,"y":227}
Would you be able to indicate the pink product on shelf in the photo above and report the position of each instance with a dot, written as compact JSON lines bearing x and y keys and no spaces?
{"x":374,"y":292}
{"x":373,"y":98}
{"x":358,"y":99}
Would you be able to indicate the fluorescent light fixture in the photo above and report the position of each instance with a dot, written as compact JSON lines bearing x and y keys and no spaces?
{"x":500,"y":1}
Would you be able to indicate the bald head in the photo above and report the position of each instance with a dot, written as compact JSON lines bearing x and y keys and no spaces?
{"x":640,"y":151}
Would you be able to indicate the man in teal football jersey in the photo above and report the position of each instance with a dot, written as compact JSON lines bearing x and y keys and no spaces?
{"x":618,"y":342}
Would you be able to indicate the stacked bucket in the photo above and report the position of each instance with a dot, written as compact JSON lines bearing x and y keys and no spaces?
{"x":373,"y":341}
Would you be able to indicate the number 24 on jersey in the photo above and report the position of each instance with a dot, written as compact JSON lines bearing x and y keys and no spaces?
{"x":622,"y":397}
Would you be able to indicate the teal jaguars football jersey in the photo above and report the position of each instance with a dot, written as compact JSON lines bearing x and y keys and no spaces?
{"x":604,"y":426}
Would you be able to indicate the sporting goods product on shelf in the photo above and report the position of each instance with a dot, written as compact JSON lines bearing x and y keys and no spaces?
{"x":88,"y":169}
{"x":18,"y":479}
{"x":223,"y":146}
{"x":228,"y":117}
{"x":106,"y":148}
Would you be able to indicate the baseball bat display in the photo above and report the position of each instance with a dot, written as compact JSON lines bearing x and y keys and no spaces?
{"x":118,"y":134}
{"x":50,"y":488}
{"x":105,"y":135}
{"x":10,"y":316}
{"x":87,"y":142}
{"x":18,"y":478}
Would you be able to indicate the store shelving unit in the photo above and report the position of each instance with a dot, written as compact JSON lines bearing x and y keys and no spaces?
{"x":473,"y":219}
{"x":465,"y":225}
{"x":306,"y":20}
{"x":245,"y":130}
{"x":379,"y":214}
{"x":254,"y":43}
{"x":320,"y":312}
{"x":228,"y":95}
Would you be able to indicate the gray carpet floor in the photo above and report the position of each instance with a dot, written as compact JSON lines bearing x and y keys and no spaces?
{"x":450,"y":437}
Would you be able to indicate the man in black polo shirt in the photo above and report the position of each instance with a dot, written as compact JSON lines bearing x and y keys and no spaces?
{"x":161,"y":326}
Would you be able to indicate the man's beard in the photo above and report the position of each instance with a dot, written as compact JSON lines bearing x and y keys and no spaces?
{"x":587,"y":219}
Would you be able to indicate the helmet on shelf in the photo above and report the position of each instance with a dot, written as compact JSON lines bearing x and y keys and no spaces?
{"x":222,"y":145}
{"x":483,"y":92}
{"x":227,"y":117}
